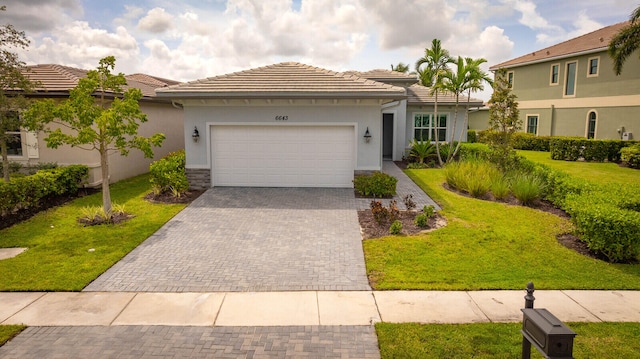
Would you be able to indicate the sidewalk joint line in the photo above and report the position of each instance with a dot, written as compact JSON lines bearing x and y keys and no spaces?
{"x":478,"y":306}
{"x":215,"y":319}
{"x":123,"y":308}
{"x":580,"y":305}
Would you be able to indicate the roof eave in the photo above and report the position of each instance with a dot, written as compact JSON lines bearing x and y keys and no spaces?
{"x":280,"y":95}
{"x":549,"y":59}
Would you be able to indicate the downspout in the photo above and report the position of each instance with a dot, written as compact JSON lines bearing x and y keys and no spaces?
{"x":174,"y":104}
{"x":552,"y":122}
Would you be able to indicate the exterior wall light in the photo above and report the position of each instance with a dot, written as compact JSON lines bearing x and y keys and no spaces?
{"x":195,"y":135}
{"x":367,"y":136}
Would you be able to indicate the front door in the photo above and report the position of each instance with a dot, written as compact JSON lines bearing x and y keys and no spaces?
{"x":387,"y":136}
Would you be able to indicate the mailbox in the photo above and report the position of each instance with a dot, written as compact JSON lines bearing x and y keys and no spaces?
{"x":547,"y":333}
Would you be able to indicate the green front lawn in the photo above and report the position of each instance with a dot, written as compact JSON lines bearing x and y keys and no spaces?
{"x":487,"y":245}
{"x":500,"y":340}
{"x":7,"y":332}
{"x":598,"y":172}
{"x":59,"y":257}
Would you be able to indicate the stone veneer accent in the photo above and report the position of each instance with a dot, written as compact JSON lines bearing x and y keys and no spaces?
{"x":199,"y":178}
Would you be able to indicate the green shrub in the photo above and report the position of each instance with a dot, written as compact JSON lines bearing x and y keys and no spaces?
{"x":527,"y":188}
{"x":429,"y":211}
{"x":500,"y":187}
{"x":168,"y":174}
{"x":472,"y":136}
{"x":574,"y":148}
{"x":605,"y":226}
{"x":530,"y":142}
{"x":631,"y":156}
{"x":421,"y":220}
{"x":472,"y":151}
{"x":28,"y":191}
{"x":421,"y":150}
{"x":471,"y":176}
{"x":396,"y":227}
{"x":377,"y":184}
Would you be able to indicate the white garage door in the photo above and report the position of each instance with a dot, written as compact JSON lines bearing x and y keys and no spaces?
{"x":282,"y":156}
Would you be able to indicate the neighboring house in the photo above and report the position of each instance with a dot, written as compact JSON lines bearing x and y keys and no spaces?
{"x":56,"y":81}
{"x":294,"y":125}
{"x":570,"y":89}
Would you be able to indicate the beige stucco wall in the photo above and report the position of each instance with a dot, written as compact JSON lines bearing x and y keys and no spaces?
{"x":615,"y":99}
{"x":479,"y":119}
{"x":162,"y":117}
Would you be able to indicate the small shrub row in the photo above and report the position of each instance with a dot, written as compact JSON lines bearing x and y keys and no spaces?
{"x":519,"y":140}
{"x":575,"y":148}
{"x":472,"y":136}
{"x":168,"y":174}
{"x":631,"y":156}
{"x":377,"y":184}
{"x":606,"y":215}
{"x":28,"y":191}
{"x":382,"y":214}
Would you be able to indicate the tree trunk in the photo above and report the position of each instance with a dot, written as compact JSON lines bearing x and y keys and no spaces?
{"x":433,"y":125}
{"x":104,"y":169}
{"x":466,"y":124}
{"x":5,"y":160}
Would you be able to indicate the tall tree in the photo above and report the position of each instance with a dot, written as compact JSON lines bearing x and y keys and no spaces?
{"x":625,"y":42}
{"x":431,"y":69}
{"x":504,"y":119}
{"x":98,"y":116}
{"x":476,"y":78}
{"x":13,"y":83}
{"x":400,"y":67}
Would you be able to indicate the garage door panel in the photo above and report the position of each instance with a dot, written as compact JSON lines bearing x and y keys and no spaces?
{"x":282,"y":156}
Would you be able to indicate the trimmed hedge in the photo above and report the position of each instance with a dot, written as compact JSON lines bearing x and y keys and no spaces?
{"x":377,"y":184}
{"x":606,"y":215}
{"x":28,"y":191}
{"x":520,"y":140}
{"x":472,"y":137}
{"x":631,"y":155}
{"x":168,"y":174}
{"x":574,"y":148}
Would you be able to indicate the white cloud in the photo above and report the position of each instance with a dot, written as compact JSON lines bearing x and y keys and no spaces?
{"x":37,"y":16}
{"x":77,"y":44}
{"x":156,"y":21}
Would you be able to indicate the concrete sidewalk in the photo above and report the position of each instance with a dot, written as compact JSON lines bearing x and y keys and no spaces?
{"x":308,"y":308}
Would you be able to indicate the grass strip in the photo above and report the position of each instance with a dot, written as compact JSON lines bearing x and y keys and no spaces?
{"x":500,"y":340}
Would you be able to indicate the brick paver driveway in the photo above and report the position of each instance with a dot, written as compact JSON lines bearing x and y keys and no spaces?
{"x":250,"y":239}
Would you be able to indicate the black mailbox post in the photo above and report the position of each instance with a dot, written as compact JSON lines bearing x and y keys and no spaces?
{"x":547,"y":333}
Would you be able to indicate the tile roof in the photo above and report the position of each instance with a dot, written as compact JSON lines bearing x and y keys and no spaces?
{"x":383,"y":75}
{"x":284,"y":80}
{"x":60,"y":79}
{"x":421,"y":95}
{"x":592,"y":42}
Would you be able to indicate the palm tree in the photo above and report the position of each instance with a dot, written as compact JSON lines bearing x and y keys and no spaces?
{"x":626,"y":42}
{"x":468,"y":77}
{"x":435,"y":60}
{"x":401,"y":67}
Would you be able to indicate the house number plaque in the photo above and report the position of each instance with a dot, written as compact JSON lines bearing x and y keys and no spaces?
{"x":282,"y":118}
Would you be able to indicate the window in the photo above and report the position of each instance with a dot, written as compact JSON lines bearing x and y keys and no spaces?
{"x":570,"y":79}
{"x":532,"y":124}
{"x":555,"y":74}
{"x":592,"y":71}
{"x":592,"y":119}
{"x":510,"y":79}
{"x":425,"y":128}
{"x":14,"y":140}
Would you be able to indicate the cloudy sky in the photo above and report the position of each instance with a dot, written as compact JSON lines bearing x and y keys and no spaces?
{"x":191,"y":39}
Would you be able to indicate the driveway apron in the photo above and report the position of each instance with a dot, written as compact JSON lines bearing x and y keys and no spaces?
{"x":250,"y":239}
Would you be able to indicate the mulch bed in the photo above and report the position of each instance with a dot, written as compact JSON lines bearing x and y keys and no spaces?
{"x":168,"y":198}
{"x":371,"y":229}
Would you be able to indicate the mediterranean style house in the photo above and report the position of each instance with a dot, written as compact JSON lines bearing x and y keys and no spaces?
{"x":294,"y":125}
{"x":570,"y":89}
{"x":55,"y":82}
